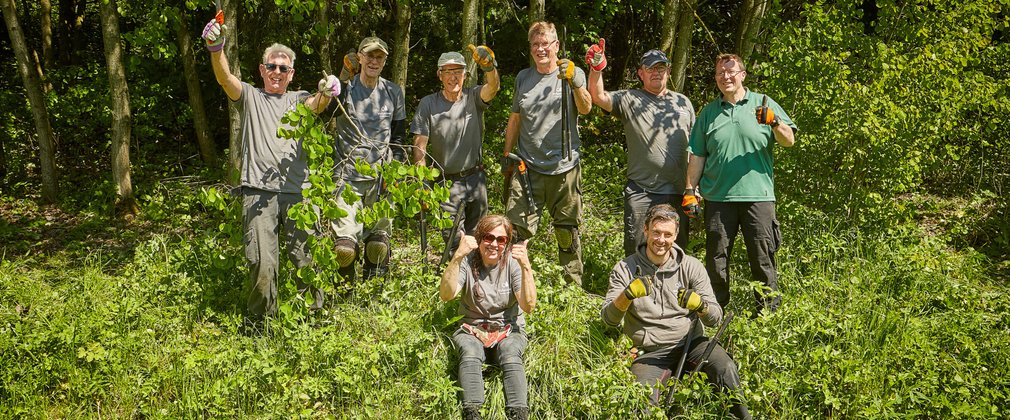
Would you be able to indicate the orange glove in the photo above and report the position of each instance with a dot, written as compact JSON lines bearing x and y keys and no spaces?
{"x":690,"y":204}
{"x":766,"y":115}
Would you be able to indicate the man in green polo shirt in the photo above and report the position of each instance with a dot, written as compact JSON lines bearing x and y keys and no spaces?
{"x":731,"y":164}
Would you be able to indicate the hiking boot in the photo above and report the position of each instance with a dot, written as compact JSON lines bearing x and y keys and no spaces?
{"x":517,"y":413}
{"x":471,"y":412}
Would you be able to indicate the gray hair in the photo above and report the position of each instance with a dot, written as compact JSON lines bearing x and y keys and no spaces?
{"x":278,"y":49}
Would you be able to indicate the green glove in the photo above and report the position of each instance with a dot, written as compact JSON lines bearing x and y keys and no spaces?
{"x":691,"y":301}
{"x":639,"y":287}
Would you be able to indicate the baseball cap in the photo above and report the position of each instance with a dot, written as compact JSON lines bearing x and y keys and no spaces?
{"x":373,"y":43}
{"x":452,"y":57}
{"x":653,"y":57}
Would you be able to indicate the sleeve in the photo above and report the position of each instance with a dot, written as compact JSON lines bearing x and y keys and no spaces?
{"x":518,"y":92}
{"x":698,"y":140}
{"x":400,"y":109}
{"x":515,"y":276}
{"x":781,"y":113}
{"x":618,"y":282}
{"x":617,"y":103}
{"x":477,"y":100}
{"x":421,"y":123}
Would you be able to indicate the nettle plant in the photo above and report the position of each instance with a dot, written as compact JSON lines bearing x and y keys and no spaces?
{"x":407,"y":189}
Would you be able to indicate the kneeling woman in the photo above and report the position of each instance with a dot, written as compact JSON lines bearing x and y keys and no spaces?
{"x":498,"y":287}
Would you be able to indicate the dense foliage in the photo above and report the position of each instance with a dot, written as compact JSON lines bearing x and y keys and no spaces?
{"x":893,"y":205}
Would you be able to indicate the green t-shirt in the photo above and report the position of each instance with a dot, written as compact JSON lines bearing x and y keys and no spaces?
{"x":737,"y":150}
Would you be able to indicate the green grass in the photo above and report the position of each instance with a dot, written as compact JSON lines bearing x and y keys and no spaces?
{"x":881,"y":324}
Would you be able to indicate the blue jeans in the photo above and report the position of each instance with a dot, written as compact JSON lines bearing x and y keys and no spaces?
{"x":508,"y":355}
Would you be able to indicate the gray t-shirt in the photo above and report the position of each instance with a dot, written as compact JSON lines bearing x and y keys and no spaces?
{"x":657,"y":130}
{"x":373,"y":112}
{"x":492,"y":296}
{"x":537,"y":100}
{"x":269,"y":162}
{"x":454,"y":129}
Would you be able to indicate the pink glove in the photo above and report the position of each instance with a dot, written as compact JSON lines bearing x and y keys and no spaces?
{"x":595,"y":58}
{"x":213,"y":34}
{"x":329,"y":86}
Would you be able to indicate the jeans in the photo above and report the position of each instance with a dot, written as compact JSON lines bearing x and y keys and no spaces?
{"x":761,"y":236}
{"x":508,"y":355}
{"x":469,"y":192}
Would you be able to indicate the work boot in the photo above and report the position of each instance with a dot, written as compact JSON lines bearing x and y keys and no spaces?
{"x":517,"y":413}
{"x":471,"y":412}
{"x":370,"y":270}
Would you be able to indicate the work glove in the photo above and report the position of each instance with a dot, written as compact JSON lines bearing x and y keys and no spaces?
{"x":329,"y":86}
{"x":639,"y":287}
{"x":595,"y":58}
{"x":351,"y":65}
{"x":566,"y":70}
{"x":484,"y":57}
{"x":691,"y":301}
{"x":213,"y":34}
{"x":690,"y":204}
{"x":766,"y":115}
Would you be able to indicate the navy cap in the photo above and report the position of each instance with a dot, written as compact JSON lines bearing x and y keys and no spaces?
{"x":653,"y":57}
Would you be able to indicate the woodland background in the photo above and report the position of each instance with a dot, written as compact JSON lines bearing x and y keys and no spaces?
{"x":121,"y":275}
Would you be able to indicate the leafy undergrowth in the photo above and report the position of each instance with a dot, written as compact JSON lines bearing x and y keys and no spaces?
{"x":888,"y":324}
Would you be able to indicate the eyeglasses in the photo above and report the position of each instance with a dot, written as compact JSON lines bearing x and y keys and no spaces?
{"x":453,"y":72}
{"x":283,"y":68}
{"x":729,"y":74}
{"x":501,"y":240}
{"x":376,"y":58}
{"x":544,"y":45}
{"x":657,"y":69}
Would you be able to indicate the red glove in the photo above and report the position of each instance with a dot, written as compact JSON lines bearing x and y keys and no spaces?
{"x":595,"y":58}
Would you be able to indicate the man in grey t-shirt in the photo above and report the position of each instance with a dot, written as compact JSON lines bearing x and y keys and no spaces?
{"x":535,"y":125}
{"x":375,"y":133}
{"x":274,"y":170}
{"x":657,"y":126}
{"x":452,"y":123}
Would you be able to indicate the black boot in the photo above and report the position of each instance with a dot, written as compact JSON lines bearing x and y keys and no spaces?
{"x":517,"y":413}
{"x":471,"y":412}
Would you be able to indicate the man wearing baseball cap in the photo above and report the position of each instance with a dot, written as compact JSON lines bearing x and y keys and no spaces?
{"x":657,"y":127}
{"x":373,"y":130}
{"x":451,"y":122}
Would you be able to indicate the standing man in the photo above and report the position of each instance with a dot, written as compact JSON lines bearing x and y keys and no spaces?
{"x":274,"y":170}
{"x":374,"y":130}
{"x":657,"y":125}
{"x":660,"y":293}
{"x":452,"y":122}
{"x":536,"y":126}
{"x":731,"y":144}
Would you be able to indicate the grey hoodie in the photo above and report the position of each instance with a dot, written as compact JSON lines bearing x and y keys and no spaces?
{"x":657,"y":320}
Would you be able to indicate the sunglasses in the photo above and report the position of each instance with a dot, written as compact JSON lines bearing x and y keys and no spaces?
{"x":283,"y":68}
{"x":501,"y":240}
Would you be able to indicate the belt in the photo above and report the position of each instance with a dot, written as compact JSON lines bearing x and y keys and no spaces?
{"x":464,"y":173}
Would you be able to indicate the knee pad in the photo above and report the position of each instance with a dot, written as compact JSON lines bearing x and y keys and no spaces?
{"x":346,"y":251}
{"x":568,"y":238}
{"x":377,"y":249}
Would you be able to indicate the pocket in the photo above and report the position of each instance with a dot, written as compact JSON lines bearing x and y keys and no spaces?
{"x":776,"y":236}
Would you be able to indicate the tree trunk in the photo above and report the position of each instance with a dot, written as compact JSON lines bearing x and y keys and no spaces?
{"x":126,"y":205}
{"x":71,"y":41}
{"x":682,"y":51}
{"x":324,"y":45}
{"x":204,"y":140}
{"x":536,"y":12}
{"x":671,"y":14}
{"x":470,"y":20}
{"x":231,"y":9}
{"x":47,"y":34}
{"x":3,"y":164}
{"x":401,"y":43}
{"x":36,"y":98}
{"x":752,"y":13}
